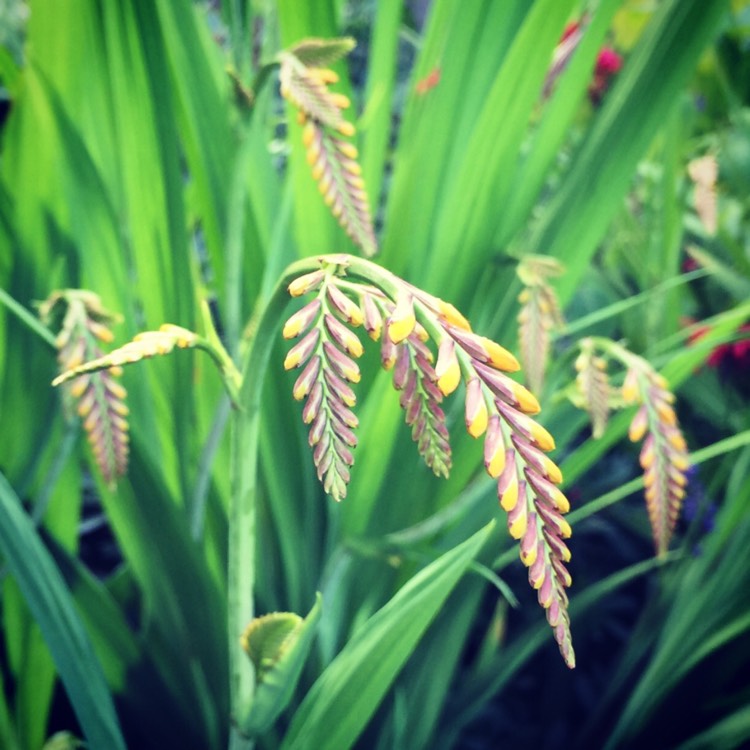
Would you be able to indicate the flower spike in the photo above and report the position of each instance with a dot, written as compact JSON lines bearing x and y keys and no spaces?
{"x":539,"y":315}
{"x":664,"y":456}
{"x":416,"y":329}
{"x":593,"y":387}
{"x":332,"y":159}
{"x":98,"y":397}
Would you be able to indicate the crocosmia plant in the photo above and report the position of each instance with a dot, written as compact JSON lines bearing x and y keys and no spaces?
{"x":335,"y":337}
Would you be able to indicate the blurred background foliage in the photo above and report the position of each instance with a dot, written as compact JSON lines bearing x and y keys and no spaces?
{"x":146,"y":155}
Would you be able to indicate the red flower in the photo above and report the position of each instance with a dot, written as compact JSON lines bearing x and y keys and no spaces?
{"x":734,"y":355}
{"x":608,"y":63}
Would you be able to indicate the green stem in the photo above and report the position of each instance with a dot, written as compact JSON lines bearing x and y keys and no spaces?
{"x":26,"y":317}
{"x":244,"y":469}
{"x":242,"y":512}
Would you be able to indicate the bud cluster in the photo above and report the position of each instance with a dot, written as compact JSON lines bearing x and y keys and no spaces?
{"x":326,"y":354}
{"x":333,"y":159}
{"x":593,"y":389}
{"x":539,"y":315}
{"x":98,"y":398}
{"x":407,"y":320}
{"x":664,"y":456}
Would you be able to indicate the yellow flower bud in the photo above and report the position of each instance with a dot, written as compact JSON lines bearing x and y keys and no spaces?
{"x":499,"y":358}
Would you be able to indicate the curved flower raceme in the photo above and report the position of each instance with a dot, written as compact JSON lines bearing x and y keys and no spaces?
{"x":97,"y":397}
{"x":332,"y":158}
{"x":431,"y":350}
{"x":539,"y":315}
{"x":664,"y":456}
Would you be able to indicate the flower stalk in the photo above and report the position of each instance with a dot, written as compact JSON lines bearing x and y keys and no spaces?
{"x":431,"y":350}
{"x":664,"y":456}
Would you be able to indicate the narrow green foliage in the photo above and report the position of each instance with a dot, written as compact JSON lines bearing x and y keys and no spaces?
{"x":50,"y":602}
{"x":344,"y":698}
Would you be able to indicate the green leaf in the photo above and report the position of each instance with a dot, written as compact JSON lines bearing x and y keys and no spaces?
{"x":53,"y":609}
{"x":732,"y":731}
{"x":343,"y":699}
{"x":642,"y":99}
{"x":318,"y":53}
{"x":277,"y":683}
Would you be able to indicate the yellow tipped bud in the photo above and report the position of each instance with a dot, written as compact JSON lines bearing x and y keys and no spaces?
{"x":78,"y":387}
{"x":639,"y":425}
{"x":352,"y":375}
{"x":666,"y":413}
{"x":340,"y":100}
{"x":291,"y":329}
{"x":447,"y":368}
{"x":565,"y":530}
{"x":402,"y":320}
{"x":353,"y":345}
{"x":119,"y":408}
{"x":346,"y":128}
{"x":477,"y":417}
{"x":451,"y":315}
{"x":682,"y":463}
{"x":552,"y":470}
{"x":348,"y":150}
{"x":292,"y":360}
{"x":301,"y":116}
{"x":677,"y":441}
{"x":478,"y":425}
{"x":499,"y":358}
{"x":497,"y":463}
{"x":317,"y":171}
{"x":528,"y":557}
{"x":305,"y":283}
{"x":117,"y":390}
{"x":630,"y":389}
{"x":541,"y":437}
{"x":647,"y":456}
{"x":308,"y":134}
{"x":449,"y":380}
{"x":324,"y":75}
{"x":101,"y":332}
{"x":510,"y":497}
{"x":517,"y":528}
{"x":526,"y":400}
{"x":559,"y":500}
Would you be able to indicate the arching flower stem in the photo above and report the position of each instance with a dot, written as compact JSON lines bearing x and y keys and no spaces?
{"x":244,"y":495}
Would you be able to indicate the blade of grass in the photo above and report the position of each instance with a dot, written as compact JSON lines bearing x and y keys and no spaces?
{"x":52,"y":607}
{"x":341,"y":702}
